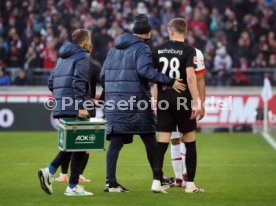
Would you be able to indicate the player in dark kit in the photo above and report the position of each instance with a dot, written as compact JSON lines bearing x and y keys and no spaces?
{"x":175,"y":110}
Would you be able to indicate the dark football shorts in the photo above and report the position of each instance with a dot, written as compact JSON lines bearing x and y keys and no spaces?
{"x":172,"y":118}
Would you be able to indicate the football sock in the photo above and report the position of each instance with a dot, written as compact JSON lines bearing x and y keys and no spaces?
{"x":191,"y":160}
{"x":72,"y":186}
{"x":176,"y":160}
{"x":52,"y":170}
{"x":160,"y":151}
{"x":183,"y":156}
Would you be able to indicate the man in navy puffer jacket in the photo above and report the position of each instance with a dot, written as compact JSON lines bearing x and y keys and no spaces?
{"x":69,"y":82}
{"x":125,"y":76}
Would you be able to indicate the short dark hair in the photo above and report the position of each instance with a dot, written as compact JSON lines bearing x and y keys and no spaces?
{"x":179,"y":24}
{"x":80,"y":35}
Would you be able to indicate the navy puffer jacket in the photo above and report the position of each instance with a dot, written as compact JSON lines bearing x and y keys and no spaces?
{"x":125,"y":75}
{"x":70,"y":80}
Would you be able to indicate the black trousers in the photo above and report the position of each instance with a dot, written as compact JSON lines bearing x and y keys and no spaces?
{"x":117,"y":141}
{"x":65,"y":164}
{"x":77,"y":159}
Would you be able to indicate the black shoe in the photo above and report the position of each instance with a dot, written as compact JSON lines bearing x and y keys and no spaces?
{"x":167,"y":182}
{"x":115,"y":187}
{"x":172,"y":179}
{"x":46,"y":180}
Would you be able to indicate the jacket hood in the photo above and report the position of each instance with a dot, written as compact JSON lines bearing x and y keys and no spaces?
{"x":69,"y":49}
{"x":126,"y":40}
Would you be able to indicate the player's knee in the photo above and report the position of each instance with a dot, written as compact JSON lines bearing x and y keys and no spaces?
{"x":189,"y":137}
{"x":164,"y":137}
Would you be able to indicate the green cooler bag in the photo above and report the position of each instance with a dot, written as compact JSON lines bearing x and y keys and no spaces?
{"x":76,"y":135}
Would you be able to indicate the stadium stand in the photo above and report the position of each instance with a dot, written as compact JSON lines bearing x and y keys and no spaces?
{"x":238,"y":37}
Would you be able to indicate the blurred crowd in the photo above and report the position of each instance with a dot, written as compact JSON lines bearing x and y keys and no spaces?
{"x":233,"y":34}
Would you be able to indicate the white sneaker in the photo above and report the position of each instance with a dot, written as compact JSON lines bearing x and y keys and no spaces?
{"x":115,"y":187}
{"x":83,"y":179}
{"x":62,"y":178}
{"x":46,"y":180}
{"x":191,"y":188}
{"x":77,"y":191}
{"x":156,"y":187}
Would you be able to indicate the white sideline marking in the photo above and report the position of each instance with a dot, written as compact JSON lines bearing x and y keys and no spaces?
{"x":269,"y":139}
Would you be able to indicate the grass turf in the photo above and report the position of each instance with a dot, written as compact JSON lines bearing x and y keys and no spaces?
{"x":273,"y":135}
{"x":234,"y":169}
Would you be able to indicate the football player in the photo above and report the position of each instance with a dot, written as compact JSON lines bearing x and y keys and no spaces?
{"x":178,"y":150}
{"x":176,"y":110}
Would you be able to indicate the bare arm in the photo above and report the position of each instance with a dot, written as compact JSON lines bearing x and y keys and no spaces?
{"x":202,"y":93}
{"x":192,"y":84}
{"x":154,"y":96}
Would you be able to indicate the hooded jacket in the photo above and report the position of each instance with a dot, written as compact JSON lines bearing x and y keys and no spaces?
{"x":125,"y":76}
{"x":69,"y":82}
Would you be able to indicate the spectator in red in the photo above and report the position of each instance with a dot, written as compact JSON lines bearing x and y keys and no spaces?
{"x":240,"y":78}
{"x":198,"y":22}
{"x":50,"y":56}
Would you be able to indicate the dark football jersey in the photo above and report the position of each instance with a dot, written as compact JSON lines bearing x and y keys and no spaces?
{"x":172,"y":58}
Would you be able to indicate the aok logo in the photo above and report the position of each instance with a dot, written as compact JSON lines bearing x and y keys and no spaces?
{"x":85,"y":139}
{"x":61,"y":139}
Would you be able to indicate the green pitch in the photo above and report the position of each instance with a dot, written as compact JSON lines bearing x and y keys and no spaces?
{"x":234,"y":169}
